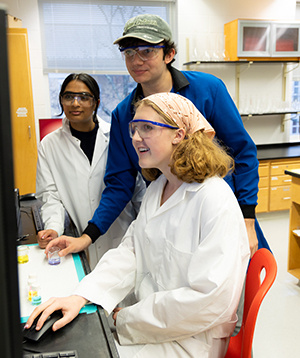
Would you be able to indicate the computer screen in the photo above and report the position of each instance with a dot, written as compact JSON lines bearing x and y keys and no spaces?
{"x":10,"y":328}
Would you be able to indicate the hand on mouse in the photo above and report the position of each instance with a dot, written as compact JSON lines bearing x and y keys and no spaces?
{"x":70,"y":307}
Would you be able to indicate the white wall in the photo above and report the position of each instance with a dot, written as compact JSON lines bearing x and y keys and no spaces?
{"x":200,"y":21}
{"x":201,"y":28}
{"x":27,"y":11}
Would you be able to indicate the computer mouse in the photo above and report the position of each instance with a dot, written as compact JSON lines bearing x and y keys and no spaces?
{"x":33,"y":335}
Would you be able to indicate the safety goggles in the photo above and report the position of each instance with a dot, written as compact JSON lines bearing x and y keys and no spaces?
{"x":146,"y":128}
{"x":145,"y":52}
{"x":83,"y":98}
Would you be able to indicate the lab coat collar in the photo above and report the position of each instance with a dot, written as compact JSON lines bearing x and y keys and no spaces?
{"x":179,"y":195}
{"x":101,"y":139}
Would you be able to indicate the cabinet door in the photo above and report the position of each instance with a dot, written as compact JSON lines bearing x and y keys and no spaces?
{"x":254,"y":39}
{"x":263,"y":200}
{"x":285,"y":40}
{"x":280,"y":198}
{"x":22,"y":116}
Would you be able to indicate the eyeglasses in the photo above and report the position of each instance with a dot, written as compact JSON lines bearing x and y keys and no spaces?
{"x":145,"y":128}
{"x":145,"y":52}
{"x":83,"y":98}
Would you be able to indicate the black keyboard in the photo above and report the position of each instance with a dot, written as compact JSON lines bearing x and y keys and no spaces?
{"x":37,"y":218}
{"x":61,"y":354}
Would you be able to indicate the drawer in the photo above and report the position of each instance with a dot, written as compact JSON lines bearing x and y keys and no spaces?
{"x":262,"y":201}
{"x":263,"y":170}
{"x":280,"y":198}
{"x":280,"y":167}
{"x":263,"y":182}
{"x":280,"y":180}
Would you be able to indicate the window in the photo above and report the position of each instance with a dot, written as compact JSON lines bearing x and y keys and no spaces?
{"x":78,"y":36}
{"x":295,"y":122}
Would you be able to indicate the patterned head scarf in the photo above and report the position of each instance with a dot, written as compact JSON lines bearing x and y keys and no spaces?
{"x":182,"y":111}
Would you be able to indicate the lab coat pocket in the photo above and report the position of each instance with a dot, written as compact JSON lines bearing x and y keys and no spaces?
{"x":174,"y":267}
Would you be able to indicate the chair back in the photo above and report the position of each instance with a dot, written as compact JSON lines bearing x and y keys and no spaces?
{"x":260,"y":276}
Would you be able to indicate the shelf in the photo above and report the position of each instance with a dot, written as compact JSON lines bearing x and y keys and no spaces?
{"x":296,"y":232}
{"x":268,"y":114}
{"x":240,"y":62}
{"x":295,"y":272}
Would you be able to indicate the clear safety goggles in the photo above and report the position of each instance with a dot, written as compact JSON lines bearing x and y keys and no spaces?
{"x":83,"y":98}
{"x":145,"y":52}
{"x":146,"y":128}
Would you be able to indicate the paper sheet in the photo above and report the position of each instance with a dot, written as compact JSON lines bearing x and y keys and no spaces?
{"x":54,"y":281}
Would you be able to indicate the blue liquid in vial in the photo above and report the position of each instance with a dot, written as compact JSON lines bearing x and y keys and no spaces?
{"x":54,"y":261}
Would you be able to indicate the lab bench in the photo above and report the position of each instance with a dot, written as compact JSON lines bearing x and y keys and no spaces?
{"x":274,"y":184}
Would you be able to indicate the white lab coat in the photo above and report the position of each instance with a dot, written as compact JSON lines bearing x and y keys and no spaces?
{"x":186,"y":261}
{"x":67,"y":181}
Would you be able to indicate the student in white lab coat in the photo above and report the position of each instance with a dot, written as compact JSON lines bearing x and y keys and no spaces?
{"x":71,"y":167}
{"x":186,"y":254}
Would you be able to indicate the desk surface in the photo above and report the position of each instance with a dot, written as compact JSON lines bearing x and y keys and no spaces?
{"x":294,"y":173}
{"x":89,"y":334}
{"x":278,"y":151}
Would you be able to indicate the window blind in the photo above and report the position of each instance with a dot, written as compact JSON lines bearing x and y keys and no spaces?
{"x":78,"y":36}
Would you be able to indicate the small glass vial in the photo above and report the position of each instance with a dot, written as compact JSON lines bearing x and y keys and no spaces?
{"x":33,"y":287}
{"x":53,"y":257}
{"x":22,"y":254}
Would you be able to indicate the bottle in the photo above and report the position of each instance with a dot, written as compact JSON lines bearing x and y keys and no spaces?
{"x":33,"y":286}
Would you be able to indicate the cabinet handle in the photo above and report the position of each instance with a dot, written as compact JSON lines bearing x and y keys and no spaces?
{"x":29,"y":131}
{"x":287,"y":180}
{"x":287,"y":198}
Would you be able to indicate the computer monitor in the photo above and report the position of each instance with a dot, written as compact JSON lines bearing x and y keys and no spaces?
{"x":10,"y":328}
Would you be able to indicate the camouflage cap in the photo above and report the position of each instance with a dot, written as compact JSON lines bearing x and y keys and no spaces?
{"x":149,"y":28}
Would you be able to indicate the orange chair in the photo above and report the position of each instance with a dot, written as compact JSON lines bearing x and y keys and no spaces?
{"x":255,"y":291}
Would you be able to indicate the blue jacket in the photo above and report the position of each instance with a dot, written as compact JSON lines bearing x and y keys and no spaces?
{"x":212,"y":99}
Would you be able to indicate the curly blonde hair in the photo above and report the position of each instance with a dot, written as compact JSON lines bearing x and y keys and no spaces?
{"x":195,"y":158}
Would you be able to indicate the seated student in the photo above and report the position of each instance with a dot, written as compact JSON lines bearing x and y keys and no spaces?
{"x":71,"y":166}
{"x":186,"y":254}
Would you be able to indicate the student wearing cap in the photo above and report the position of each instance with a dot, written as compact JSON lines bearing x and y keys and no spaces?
{"x":149,"y":51}
{"x":186,"y":254}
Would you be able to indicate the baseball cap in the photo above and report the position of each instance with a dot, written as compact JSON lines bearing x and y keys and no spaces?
{"x":149,"y":28}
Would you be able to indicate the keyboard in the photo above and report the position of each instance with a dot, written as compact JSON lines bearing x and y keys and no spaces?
{"x":37,"y":218}
{"x":61,"y":354}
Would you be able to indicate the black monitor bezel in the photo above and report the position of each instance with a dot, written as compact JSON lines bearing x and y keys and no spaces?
{"x":10,"y":328}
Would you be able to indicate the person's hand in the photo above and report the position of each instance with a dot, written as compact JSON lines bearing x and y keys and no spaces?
{"x":45,"y":236}
{"x":252,"y":237}
{"x":69,"y":244}
{"x":70,"y":307}
{"x":115,"y":313}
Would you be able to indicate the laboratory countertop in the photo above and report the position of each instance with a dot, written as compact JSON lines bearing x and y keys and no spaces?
{"x":278,"y":151}
{"x":294,"y":173}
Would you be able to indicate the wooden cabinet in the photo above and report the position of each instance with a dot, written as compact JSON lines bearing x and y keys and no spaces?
{"x":294,"y":230}
{"x":280,"y":184}
{"x":258,"y":40}
{"x":274,"y":185}
{"x":263,"y":186}
{"x":22,"y":114}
